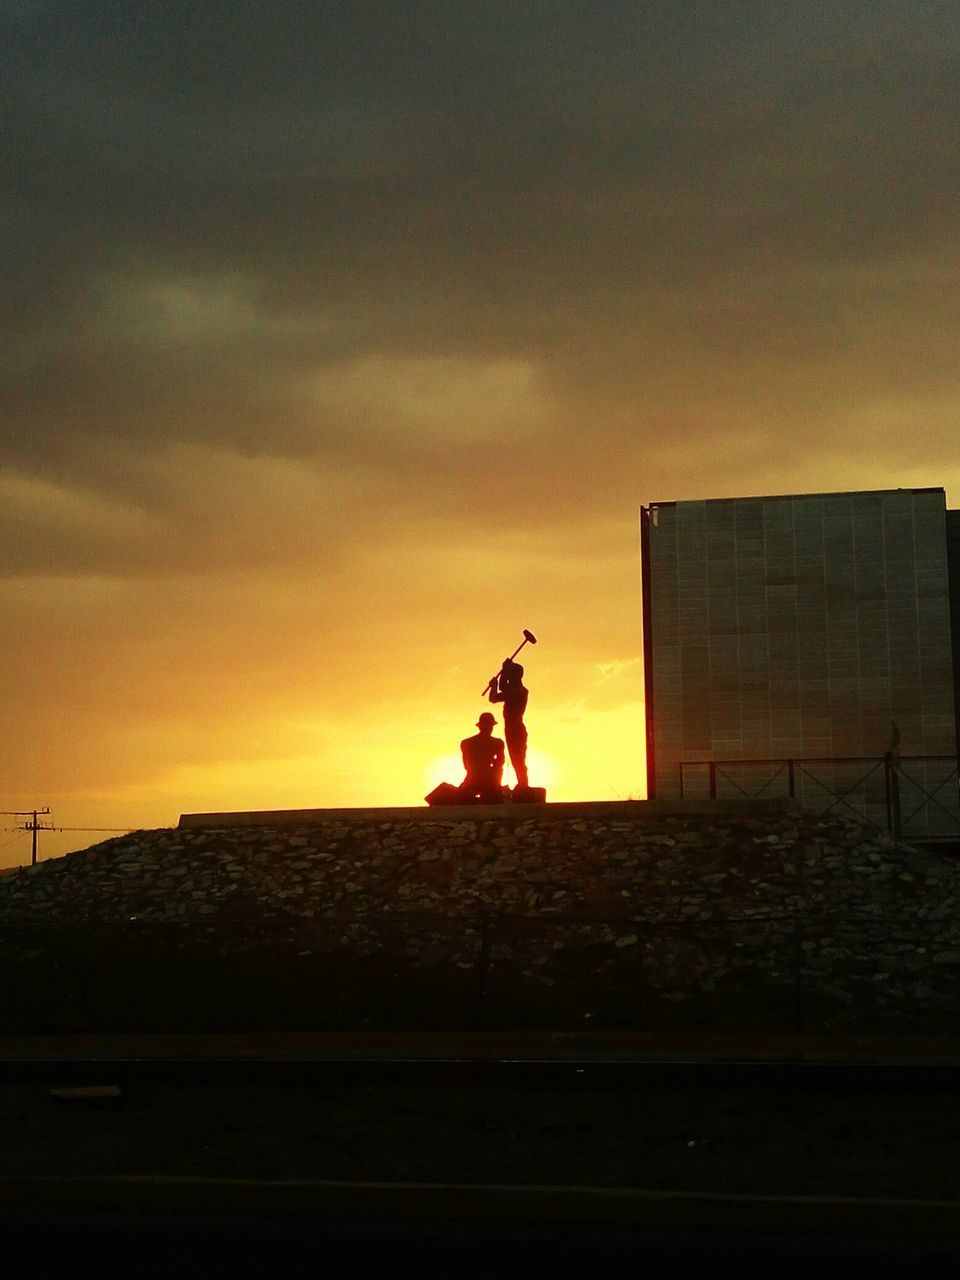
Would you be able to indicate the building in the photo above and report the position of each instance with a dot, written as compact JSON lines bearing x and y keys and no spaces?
{"x":794,"y":632}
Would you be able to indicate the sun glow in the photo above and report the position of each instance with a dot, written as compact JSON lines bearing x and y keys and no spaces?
{"x":543,"y":771}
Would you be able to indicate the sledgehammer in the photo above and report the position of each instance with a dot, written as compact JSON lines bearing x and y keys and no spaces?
{"x":528,"y":638}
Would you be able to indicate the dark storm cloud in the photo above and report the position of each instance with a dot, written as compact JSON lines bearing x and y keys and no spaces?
{"x":676,"y":216}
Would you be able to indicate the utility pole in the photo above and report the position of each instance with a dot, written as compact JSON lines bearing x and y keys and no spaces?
{"x":34,"y":825}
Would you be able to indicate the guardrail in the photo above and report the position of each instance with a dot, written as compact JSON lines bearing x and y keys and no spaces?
{"x":906,"y":795}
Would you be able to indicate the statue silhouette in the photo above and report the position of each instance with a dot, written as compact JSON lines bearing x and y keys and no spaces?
{"x":483,"y":761}
{"x":507,"y":687}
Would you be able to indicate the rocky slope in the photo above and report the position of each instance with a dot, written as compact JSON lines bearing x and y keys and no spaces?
{"x":629,"y":916}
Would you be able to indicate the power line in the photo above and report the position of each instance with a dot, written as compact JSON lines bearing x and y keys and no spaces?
{"x":116,"y":830}
{"x":125,"y":831}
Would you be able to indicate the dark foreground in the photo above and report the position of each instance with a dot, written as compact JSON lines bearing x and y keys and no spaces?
{"x":151,"y":1245}
{"x":300,"y":1167}
{"x":836,"y":1141}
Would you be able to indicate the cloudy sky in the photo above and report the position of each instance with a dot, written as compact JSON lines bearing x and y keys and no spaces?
{"x":342,"y":341}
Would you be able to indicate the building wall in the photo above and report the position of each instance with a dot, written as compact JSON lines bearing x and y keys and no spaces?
{"x":798,"y":627}
{"x":953,"y":565}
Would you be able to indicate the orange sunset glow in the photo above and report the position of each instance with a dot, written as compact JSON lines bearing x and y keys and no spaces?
{"x":341,"y":343}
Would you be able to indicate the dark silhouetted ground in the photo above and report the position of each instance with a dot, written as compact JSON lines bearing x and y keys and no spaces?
{"x":750,"y":1141}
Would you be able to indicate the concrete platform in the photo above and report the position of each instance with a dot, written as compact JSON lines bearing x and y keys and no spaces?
{"x":475,"y":812}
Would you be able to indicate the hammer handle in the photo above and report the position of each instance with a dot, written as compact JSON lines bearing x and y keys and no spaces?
{"x":510,"y":659}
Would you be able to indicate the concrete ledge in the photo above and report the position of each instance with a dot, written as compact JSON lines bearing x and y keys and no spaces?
{"x":505,"y":812}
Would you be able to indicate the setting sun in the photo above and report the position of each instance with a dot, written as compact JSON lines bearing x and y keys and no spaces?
{"x":544,"y":771}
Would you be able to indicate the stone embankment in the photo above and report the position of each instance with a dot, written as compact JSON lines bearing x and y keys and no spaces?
{"x":631,"y":915}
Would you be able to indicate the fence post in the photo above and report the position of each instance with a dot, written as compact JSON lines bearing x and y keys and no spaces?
{"x":790,"y":780}
{"x":681,"y":779}
{"x":894,"y":815}
{"x":895,"y":796}
{"x":713,"y":779}
{"x":886,"y":790}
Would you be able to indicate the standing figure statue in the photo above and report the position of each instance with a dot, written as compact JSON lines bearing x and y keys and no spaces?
{"x":507,"y":687}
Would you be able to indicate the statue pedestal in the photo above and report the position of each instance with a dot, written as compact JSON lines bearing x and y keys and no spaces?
{"x":528,"y":795}
{"x":447,"y":794}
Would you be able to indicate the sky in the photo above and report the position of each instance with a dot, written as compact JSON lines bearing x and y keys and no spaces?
{"x":341,"y":342}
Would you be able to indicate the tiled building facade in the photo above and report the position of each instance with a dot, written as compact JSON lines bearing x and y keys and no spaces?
{"x":799,"y":628}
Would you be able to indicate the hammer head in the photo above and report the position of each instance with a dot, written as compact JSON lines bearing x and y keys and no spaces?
{"x":529,"y":636}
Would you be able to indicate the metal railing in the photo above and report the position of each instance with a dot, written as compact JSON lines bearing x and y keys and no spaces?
{"x":914,"y":796}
